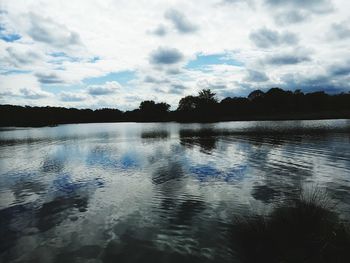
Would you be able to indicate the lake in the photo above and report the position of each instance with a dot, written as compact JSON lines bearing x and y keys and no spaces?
{"x":157,"y":192}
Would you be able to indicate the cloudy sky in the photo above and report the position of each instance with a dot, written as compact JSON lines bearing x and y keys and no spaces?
{"x":115,"y":53}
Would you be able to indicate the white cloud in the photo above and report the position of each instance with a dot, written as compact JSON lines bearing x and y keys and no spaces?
{"x":125,"y":35}
{"x":46,"y":30}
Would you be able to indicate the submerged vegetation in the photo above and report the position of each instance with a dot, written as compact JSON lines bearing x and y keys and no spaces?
{"x":305,"y":230}
{"x":204,"y":107}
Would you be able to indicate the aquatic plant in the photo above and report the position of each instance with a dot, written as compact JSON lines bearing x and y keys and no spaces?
{"x":303,"y":230}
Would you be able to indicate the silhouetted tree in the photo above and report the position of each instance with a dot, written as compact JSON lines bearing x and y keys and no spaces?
{"x":206,"y":101}
{"x":188,"y":103}
{"x":205,"y":98}
{"x":276,"y":103}
{"x":149,"y":110}
{"x":207,"y":95}
{"x":147,"y":105}
{"x":256,"y":94}
{"x":163,"y":107}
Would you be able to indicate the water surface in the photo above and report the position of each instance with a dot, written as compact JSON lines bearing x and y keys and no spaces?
{"x":157,"y":192}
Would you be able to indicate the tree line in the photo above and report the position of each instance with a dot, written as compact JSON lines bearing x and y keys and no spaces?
{"x":274,"y":104}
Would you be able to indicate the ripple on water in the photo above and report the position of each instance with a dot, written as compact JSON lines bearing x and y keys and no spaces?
{"x":157,"y":192}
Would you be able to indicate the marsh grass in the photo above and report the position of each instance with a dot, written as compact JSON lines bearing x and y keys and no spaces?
{"x":304,"y":230}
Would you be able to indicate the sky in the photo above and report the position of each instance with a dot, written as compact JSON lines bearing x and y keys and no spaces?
{"x":116,"y":53}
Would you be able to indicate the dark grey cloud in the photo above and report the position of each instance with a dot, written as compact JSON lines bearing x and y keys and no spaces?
{"x":250,"y":2}
{"x":291,"y":58}
{"x":321,"y":82}
{"x":291,"y":17}
{"x":214,"y":85}
{"x":266,"y":38}
{"x":165,"y":56}
{"x":333,"y":79}
{"x":48,"y":78}
{"x":6,"y":93}
{"x":33,"y":94}
{"x":160,"y":90}
{"x":177,"y":89}
{"x":314,"y":6}
{"x":180,"y":21}
{"x":102,"y":90}
{"x":50,"y":32}
{"x":173,"y":71}
{"x":234,"y":3}
{"x":72,"y":97}
{"x":17,"y":58}
{"x":160,"y":31}
{"x":340,"y":70}
{"x":151,"y":79}
{"x":340,"y":31}
{"x":256,"y":76}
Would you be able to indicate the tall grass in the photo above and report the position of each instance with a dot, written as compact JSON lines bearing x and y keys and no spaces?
{"x":304,"y":230}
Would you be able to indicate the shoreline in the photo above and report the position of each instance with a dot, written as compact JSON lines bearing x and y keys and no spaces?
{"x":306,"y":117}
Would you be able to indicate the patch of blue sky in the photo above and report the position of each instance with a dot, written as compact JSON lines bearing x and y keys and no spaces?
{"x":122,"y":77}
{"x":8,"y":37}
{"x":59,"y":57}
{"x":203,"y":62}
{"x":57,"y":88}
{"x":13,"y":71}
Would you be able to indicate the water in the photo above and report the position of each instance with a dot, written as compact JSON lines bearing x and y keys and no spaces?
{"x":157,"y":192}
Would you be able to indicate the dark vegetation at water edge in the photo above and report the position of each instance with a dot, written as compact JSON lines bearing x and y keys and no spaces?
{"x":306,"y":230}
{"x":204,"y":107}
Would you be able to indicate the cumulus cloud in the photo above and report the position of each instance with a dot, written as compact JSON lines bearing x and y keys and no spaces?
{"x":50,"y":49}
{"x":180,"y":21}
{"x":236,"y":1}
{"x":316,"y":6}
{"x":214,"y":84}
{"x":291,"y":17}
{"x":160,"y":31}
{"x":50,"y":32}
{"x":266,"y":38}
{"x":177,"y":89}
{"x":108,"y":88}
{"x":151,"y":79}
{"x":311,"y":83}
{"x":165,"y":56}
{"x":173,"y":71}
{"x":340,"y":70}
{"x":173,"y":89}
{"x":34,"y":94}
{"x":49,"y":78}
{"x":287,"y":59}
{"x":72,"y":97}
{"x":16,"y":57}
{"x":296,"y":11}
{"x":340,"y":31}
{"x":256,"y":76}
